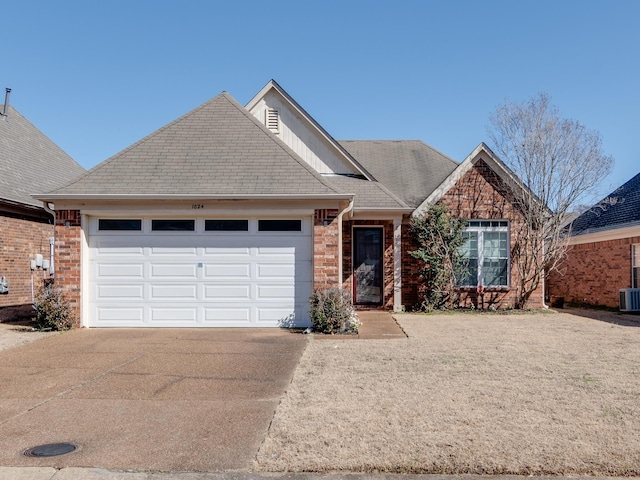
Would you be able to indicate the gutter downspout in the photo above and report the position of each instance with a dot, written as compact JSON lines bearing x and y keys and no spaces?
{"x":52,"y":240}
{"x":348,"y":209}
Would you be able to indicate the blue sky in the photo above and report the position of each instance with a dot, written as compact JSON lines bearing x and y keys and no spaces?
{"x":98,"y":76}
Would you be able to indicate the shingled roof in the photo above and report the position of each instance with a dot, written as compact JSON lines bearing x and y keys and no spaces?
{"x":619,"y":209}
{"x":410,"y":169}
{"x":29,"y":161}
{"x":217,"y":149}
{"x":368,"y":195}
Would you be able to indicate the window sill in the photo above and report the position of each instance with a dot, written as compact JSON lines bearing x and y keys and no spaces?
{"x":486,"y":289}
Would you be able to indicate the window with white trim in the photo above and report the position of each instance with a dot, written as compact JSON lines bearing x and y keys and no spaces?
{"x":486,"y":254}
{"x":635,"y":265}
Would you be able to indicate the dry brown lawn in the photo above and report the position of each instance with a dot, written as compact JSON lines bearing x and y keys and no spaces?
{"x":492,"y":394}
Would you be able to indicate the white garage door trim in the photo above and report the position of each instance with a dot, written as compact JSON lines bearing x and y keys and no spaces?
{"x":199,"y":278}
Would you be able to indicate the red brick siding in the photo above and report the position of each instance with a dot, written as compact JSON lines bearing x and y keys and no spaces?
{"x":594,"y":273}
{"x":347,"y":267}
{"x":480,"y":193}
{"x":68,"y":253}
{"x":411,"y":282}
{"x":325,"y":249}
{"x":20,"y":240}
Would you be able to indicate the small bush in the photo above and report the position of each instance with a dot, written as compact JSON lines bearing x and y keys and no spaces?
{"x":52,"y":310}
{"x":332,"y":312}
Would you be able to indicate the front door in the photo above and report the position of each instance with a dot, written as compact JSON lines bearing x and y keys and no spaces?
{"x":367,"y":265}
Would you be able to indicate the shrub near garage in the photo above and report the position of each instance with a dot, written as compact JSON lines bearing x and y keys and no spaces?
{"x":332,"y":312}
{"x":52,"y":310}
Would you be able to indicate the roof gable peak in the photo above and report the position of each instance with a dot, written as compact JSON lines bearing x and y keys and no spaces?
{"x":306,"y":130}
{"x":481,"y":152}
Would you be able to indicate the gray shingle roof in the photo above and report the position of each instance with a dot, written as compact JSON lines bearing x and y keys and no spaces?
{"x":30,"y":161}
{"x":367,"y":194}
{"x":619,"y":209}
{"x":218,"y":148}
{"x":410,"y":169}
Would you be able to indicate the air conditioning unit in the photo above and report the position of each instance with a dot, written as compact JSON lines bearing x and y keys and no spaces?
{"x":630,"y":299}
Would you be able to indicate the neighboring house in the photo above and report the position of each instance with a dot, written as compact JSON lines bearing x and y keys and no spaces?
{"x":232,"y":215}
{"x":29,"y":163}
{"x":604,"y":251}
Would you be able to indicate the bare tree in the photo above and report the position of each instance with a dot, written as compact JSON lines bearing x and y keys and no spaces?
{"x":562,"y":165}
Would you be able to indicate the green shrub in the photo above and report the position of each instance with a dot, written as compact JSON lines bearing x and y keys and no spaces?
{"x":332,"y":312}
{"x":438,"y":239}
{"x":52,"y":310}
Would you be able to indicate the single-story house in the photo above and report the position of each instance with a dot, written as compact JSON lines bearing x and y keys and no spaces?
{"x":604,"y":251}
{"x":232,"y":216}
{"x":29,"y":163}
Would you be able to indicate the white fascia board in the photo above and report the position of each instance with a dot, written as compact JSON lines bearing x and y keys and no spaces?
{"x":273,"y":85}
{"x":177,"y":212}
{"x":606,"y":235}
{"x":133,"y":197}
{"x":198,"y":207}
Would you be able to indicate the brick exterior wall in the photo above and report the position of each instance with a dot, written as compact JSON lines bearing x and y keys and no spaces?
{"x":20,"y":240}
{"x":68,"y":251}
{"x":479,"y":194}
{"x":593,"y":273}
{"x":387,"y":269}
{"x":325,"y":249}
{"x":411,"y":282}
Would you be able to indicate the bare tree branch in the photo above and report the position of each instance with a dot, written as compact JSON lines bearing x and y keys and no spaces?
{"x":562,"y":164}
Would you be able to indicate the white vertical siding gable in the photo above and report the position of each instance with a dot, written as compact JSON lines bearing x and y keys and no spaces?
{"x":302,"y":136}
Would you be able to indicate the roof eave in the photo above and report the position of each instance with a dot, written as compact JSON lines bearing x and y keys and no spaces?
{"x":384,"y":210}
{"x":82,"y":196}
{"x":626,"y":230}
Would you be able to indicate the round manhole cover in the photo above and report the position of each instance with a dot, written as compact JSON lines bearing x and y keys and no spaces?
{"x":50,"y":450}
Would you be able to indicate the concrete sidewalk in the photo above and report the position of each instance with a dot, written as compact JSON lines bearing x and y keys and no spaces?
{"x":99,"y":474}
{"x":378,"y":324}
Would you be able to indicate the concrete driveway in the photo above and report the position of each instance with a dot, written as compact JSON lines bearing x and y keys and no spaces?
{"x":145,"y":399}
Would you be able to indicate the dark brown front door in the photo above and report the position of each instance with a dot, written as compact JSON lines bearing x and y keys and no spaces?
{"x":367,"y":266}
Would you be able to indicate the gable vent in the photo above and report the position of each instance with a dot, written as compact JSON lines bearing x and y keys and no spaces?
{"x":272,"y":120}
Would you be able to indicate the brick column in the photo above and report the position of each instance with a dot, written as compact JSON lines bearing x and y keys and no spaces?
{"x":325,"y":249}
{"x":68,"y":252}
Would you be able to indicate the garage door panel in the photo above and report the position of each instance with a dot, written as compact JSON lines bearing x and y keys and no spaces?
{"x":224,"y":292}
{"x":175,"y":291}
{"x":290,"y":252}
{"x":173,"y":251}
{"x":173,"y":270}
{"x":276,"y":271}
{"x":227,"y":315}
{"x":275,"y":292}
{"x":227,"y":271}
{"x":280,"y":314}
{"x":120,"y":270}
{"x":127,"y":292}
{"x":227,"y":252}
{"x":105,"y":252}
{"x":164,"y":314}
{"x":120,"y":315}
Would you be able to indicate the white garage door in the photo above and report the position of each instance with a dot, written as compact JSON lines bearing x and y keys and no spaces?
{"x":199,"y":272}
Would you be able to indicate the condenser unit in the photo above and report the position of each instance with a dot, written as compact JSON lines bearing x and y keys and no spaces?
{"x":630,"y":299}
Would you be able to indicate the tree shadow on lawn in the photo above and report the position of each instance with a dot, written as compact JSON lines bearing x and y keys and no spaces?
{"x":602,"y":315}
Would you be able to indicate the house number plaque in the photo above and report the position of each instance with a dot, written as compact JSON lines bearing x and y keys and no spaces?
{"x":197,"y":206}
